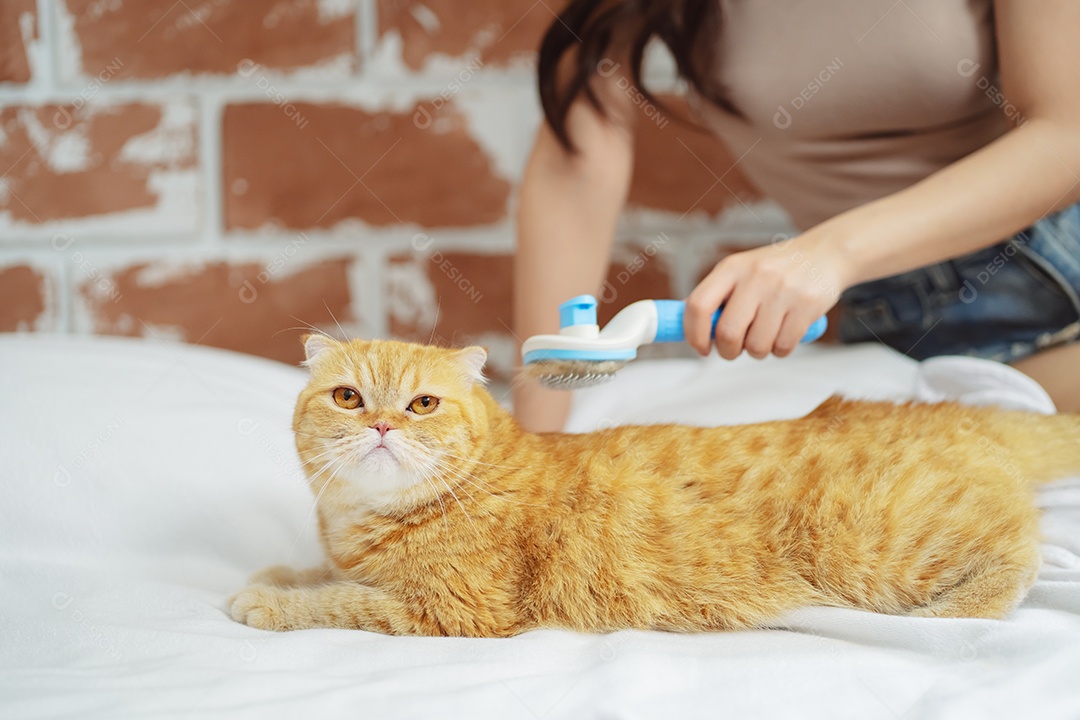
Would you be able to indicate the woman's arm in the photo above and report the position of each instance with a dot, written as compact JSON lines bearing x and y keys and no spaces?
{"x":565,"y":227}
{"x":772,"y":296}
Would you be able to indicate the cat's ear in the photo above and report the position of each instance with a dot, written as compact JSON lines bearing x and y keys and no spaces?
{"x":316,"y":345}
{"x":472,"y":360}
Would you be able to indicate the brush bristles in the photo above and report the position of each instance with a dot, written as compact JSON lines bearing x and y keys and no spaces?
{"x":572,"y":374}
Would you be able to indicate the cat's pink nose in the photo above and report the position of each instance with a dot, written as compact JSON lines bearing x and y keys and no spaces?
{"x":382,"y":427}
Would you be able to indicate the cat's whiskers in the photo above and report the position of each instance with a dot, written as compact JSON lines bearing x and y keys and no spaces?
{"x":320,"y":455}
{"x":357,"y":447}
{"x":319,"y":437}
{"x":336,"y":465}
{"x":435,"y":324}
{"x":417,"y":449}
{"x":447,"y":453}
{"x":438,"y":496}
{"x":462,"y":488}
{"x":334,"y":448}
{"x":318,"y":496}
{"x":409,"y":460}
{"x":460,"y":505}
{"x":304,"y":326}
{"x":428,"y":474}
{"x":344,"y":334}
{"x":460,"y":474}
{"x":444,"y":453}
{"x":434,"y":463}
{"x":475,"y":482}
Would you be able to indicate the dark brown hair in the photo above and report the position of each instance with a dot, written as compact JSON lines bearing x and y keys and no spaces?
{"x":588,"y":32}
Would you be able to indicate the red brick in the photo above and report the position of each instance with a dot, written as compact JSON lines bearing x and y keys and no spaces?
{"x":498,"y":31}
{"x":314,"y":166}
{"x":226,"y":305}
{"x":156,"y":38}
{"x":473,"y":294}
{"x":14,"y":62}
{"x":24,"y":299}
{"x":43,"y":182}
{"x":680,"y":168}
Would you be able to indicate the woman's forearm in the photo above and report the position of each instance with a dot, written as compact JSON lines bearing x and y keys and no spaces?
{"x":977,"y":201}
{"x":566,"y":225}
{"x":770,"y":299}
{"x":565,"y":228}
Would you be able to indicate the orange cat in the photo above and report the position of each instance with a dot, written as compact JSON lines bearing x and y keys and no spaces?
{"x":441,"y":516}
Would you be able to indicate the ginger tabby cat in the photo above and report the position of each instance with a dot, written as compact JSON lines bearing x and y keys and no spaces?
{"x":440,"y":516}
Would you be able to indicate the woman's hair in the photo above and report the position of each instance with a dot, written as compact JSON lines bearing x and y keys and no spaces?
{"x":589,"y":34}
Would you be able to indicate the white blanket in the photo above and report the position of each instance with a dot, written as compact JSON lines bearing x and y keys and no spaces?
{"x":142,"y":483}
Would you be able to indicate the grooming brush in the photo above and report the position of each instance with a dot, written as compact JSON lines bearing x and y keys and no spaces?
{"x":583,"y":355}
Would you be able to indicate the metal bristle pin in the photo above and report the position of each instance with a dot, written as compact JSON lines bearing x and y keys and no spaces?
{"x":572,"y":375}
{"x":575,"y":382}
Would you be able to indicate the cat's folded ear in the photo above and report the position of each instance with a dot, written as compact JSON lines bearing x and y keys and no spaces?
{"x":316,"y":345}
{"x":471,"y":360}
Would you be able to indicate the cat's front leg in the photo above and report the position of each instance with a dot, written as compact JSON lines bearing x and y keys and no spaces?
{"x":285,"y":576}
{"x":339,"y":604}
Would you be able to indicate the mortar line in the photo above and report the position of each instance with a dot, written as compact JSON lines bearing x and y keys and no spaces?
{"x":367,"y":24}
{"x":210,"y":116}
{"x":48,"y":29}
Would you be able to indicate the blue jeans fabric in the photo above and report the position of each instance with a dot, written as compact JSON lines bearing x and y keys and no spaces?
{"x":1004,"y":303}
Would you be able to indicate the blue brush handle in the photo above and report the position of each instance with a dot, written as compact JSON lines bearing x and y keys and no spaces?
{"x":669,"y":325}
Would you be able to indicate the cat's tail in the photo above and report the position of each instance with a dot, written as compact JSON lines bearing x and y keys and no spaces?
{"x":1045,"y":447}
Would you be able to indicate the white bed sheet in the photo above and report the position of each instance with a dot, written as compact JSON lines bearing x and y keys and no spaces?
{"x":142,"y":483}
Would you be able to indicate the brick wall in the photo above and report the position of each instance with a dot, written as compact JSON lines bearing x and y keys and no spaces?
{"x":228,"y":171}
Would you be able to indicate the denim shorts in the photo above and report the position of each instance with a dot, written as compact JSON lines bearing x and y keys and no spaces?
{"x":1003,"y":303}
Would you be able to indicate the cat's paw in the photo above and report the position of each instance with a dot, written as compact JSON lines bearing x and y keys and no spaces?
{"x":259,"y":606}
{"x":279,"y":575}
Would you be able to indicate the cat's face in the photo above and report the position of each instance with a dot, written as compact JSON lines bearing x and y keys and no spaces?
{"x":380,"y":422}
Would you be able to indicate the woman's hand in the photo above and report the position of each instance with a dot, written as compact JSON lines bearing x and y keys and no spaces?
{"x":771,"y":295}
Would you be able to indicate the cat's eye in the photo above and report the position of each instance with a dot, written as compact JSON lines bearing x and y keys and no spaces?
{"x":424,"y":404}
{"x":347,"y":398}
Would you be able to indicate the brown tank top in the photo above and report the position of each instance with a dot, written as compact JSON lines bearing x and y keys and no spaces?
{"x":846,"y":101}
